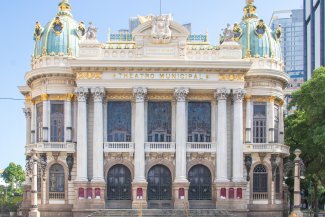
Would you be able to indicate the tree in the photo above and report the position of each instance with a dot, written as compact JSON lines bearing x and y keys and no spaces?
{"x":305,"y":129}
{"x":13,"y":174}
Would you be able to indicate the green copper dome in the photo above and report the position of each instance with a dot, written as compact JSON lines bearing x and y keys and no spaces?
{"x":255,"y":37}
{"x":60,"y":36}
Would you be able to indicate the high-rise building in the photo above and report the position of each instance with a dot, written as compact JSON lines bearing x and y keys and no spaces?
{"x":292,"y":46}
{"x":188,"y":26}
{"x":314,"y":21}
{"x":133,"y":23}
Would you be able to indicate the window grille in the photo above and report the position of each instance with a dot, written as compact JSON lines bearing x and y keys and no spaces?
{"x":260,"y":179}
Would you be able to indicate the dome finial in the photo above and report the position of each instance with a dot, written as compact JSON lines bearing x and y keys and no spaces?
{"x":250,"y":10}
{"x":64,"y":8}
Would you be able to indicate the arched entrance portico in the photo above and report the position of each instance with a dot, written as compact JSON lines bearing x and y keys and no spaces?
{"x":119,"y":187}
{"x":159,"y":187}
{"x":200,"y":189}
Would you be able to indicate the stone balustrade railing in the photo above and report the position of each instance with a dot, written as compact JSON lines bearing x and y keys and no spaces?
{"x":57,"y":195}
{"x":201,"y":147}
{"x":260,"y":196}
{"x":118,"y":147}
{"x":160,"y":147}
{"x":68,"y":147}
{"x":276,"y":148}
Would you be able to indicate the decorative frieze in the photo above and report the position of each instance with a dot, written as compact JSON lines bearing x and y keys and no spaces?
{"x":140,"y":93}
{"x":232,"y":77}
{"x":119,"y":96}
{"x":181,"y":93}
{"x":89,"y":75}
{"x":160,"y":96}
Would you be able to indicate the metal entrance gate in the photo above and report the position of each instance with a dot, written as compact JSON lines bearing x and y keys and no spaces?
{"x":200,"y":183}
{"x":159,"y":183}
{"x":119,"y":183}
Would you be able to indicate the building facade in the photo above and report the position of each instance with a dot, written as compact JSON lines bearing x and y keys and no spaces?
{"x":159,"y":119}
{"x":314,"y":21}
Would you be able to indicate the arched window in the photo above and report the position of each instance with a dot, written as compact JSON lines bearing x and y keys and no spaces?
{"x":56,"y":178}
{"x":260,"y":179}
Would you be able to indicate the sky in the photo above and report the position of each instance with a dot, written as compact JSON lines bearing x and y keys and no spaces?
{"x":16,"y":42}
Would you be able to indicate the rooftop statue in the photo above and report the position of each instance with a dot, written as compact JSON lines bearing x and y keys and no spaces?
{"x":91,"y":32}
{"x":250,"y":2}
{"x":228,"y":34}
{"x":161,"y":32}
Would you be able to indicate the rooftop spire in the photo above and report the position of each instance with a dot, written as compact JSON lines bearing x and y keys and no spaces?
{"x":249,"y":10}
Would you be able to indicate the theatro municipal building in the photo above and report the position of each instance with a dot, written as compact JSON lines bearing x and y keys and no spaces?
{"x":157,"y":122}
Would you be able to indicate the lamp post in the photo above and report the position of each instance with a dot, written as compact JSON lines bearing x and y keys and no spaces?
{"x":35,"y":164}
{"x":299,"y":170}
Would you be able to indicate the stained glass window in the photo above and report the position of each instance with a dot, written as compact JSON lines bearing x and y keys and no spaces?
{"x":57,"y":121}
{"x":199,"y":122}
{"x":119,"y":121}
{"x":56,"y":179}
{"x":39,"y":122}
{"x":159,"y":122}
{"x":259,"y":123}
{"x":260,"y":179}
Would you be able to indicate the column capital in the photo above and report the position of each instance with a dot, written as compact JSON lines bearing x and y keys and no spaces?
{"x":82,"y":93}
{"x":181,"y":93}
{"x":238,"y":94}
{"x":27,"y":112}
{"x":98,"y":93}
{"x":139,"y":93}
{"x":222,"y":93}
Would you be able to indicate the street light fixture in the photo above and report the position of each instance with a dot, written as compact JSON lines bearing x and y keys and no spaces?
{"x":299,"y":173}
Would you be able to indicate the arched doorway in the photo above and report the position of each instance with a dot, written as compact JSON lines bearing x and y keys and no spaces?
{"x":159,"y":187}
{"x":118,"y":186}
{"x":200,"y":180}
{"x":260,"y":183}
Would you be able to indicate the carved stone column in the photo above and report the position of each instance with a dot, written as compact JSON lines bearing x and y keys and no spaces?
{"x":248,"y":136}
{"x":238,"y":141}
{"x":221,"y":159}
{"x":82,"y":94}
{"x":27,"y":112}
{"x":46,"y":118}
{"x":68,"y":118}
{"x":270,"y":119}
{"x":181,"y":139}
{"x":139,"y":183}
{"x":98,"y":152}
{"x":34,"y":206}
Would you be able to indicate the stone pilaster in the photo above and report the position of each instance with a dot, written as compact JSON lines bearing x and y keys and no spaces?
{"x":68,"y":118}
{"x":181,"y":139}
{"x":34,"y":207}
{"x":221,"y":159}
{"x":82,"y":94}
{"x":27,"y":112}
{"x":46,"y":118}
{"x":237,"y":158}
{"x":139,"y":181}
{"x":270,"y":119}
{"x":248,"y":132}
{"x":98,"y":158}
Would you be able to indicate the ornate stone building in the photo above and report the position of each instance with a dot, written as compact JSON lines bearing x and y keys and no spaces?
{"x":157,"y":119}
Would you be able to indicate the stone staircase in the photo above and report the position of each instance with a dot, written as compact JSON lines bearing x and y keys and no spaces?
{"x":161,"y":213}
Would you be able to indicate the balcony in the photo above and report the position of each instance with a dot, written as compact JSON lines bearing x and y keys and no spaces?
{"x":123,"y":147}
{"x":68,"y":147}
{"x":160,"y":147}
{"x":274,"y":148}
{"x":201,"y":147}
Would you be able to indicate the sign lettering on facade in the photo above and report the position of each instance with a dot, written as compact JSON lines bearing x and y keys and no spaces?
{"x":161,"y":76}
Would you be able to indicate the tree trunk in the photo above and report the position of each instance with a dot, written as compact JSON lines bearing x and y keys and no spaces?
{"x":316,"y":209}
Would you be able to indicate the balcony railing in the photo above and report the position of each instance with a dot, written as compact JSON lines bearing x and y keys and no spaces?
{"x":260,"y":196}
{"x":267,"y":148}
{"x":52,"y":146}
{"x":201,"y":147}
{"x":118,"y":147}
{"x":160,"y":147}
{"x":56,"y":195}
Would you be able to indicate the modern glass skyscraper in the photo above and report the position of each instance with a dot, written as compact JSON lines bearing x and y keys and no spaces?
{"x":314,"y":22}
{"x":292,"y":26}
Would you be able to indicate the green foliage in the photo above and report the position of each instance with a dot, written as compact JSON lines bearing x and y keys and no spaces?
{"x":13,"y":174}
{"x":305,"y":129}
